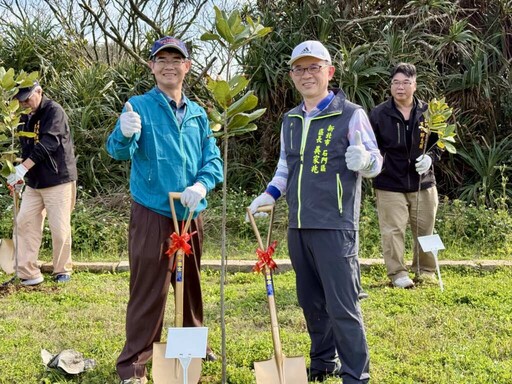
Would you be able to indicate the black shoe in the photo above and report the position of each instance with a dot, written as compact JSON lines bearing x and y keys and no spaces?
{"x":9,"y":282}
{"x":318,"y":375}
{"x":210,"y":356}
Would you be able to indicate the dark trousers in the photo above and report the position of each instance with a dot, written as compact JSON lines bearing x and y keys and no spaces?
{"x":327,"y":278}
{"x":150,"y":275}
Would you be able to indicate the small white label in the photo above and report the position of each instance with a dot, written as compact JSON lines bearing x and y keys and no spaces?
{"x":186,"y":342}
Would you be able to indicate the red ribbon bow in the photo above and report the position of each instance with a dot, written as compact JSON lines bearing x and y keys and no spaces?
{"x":180,"y":242}
{"x":265,"y":258}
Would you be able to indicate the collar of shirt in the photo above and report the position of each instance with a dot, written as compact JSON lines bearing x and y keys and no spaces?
{"x":324,"y":103}
{"x":171,"y":101}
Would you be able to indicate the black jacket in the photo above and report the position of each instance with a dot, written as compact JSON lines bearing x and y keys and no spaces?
{"x":52,"y":147}
{"x":399,"y":155}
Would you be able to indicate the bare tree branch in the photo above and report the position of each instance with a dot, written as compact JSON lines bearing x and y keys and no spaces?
{"x":146,"y":19}
{"x":115,"y":37}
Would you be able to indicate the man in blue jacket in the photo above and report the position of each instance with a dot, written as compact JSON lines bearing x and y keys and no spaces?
{"x":327,"y":144}
{"x":168,"y":140}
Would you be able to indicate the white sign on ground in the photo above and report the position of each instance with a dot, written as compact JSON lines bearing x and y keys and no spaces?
{"x":433,"y":244}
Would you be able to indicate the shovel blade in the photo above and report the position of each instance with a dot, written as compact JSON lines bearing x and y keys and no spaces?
{"x":294,"y":371}
{"x":170,"y":371}
{"x":7,"y":255}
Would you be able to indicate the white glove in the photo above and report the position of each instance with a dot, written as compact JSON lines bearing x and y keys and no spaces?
{"x":130,"y":121}
{"x":423,"y":164}
{"x":17,"y":176}
{"x":263,"y":199}
{"x":357,"y":157}
{"x":191,"y":196}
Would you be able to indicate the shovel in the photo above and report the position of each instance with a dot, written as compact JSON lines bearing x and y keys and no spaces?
{"x":280,"y":369}
{"x":169,"y":370}
{"x":8,"y":253}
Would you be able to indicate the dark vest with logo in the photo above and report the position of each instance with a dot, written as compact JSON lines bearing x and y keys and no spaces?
{"x":321,"y":192}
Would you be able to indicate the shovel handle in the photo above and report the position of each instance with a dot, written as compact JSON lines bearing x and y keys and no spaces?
{"x":264,"y":208}
{"x":278,"y":351}
{"x":176,"y":196}
{"x":180,"y":261}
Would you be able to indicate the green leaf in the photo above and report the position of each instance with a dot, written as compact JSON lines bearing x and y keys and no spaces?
{"x":215,"y":127}
{"x":242,"y":119}
{"x":14,"y":105}
{"x":235,"y":22}
{"x":263,"y":31}
{"x":240,"y":131}
{"x":245,"y":103}
{"x":7,"y":168}
{"x":215,"y":116}
{"x":450,"y":148}
{"x":236,"y":132}
{"x":208,"y":36}
{"x":221,"y":93}
{"x":237,"y":84}
{"x":222,"y":26}
{"x":8,"y":82}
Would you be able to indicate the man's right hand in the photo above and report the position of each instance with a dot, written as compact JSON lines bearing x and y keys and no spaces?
{"x":260,"y":201}
{"x":130,"y":122}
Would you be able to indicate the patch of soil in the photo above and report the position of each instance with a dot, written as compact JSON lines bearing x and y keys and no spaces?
{"x":10,"y":288}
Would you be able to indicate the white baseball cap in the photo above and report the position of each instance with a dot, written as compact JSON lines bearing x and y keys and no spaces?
{"x":311,"y":48}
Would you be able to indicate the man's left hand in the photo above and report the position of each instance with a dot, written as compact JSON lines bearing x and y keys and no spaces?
{"x":191,"y":196}
{"x":17,"y":176}
{"x":357,"y":157}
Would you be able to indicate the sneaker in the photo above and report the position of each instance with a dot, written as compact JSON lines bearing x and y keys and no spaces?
{"x":318,"y":375}
{"x":62,"y":278}
{"x":403,"y":282}
{"x":135,"y":380}
{"x":362,"y":295}
{"x":36,"y":281}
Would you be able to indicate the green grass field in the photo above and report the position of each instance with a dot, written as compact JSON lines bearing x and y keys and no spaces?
{"x":422,"y":335}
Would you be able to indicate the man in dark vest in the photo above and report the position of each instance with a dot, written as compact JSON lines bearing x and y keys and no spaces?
{"x":327,"y":145}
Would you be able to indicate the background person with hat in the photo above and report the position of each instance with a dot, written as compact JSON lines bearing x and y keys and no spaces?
{"x":49,"y":171}
{"x":327,"y":144}
{"x":169,"y":142}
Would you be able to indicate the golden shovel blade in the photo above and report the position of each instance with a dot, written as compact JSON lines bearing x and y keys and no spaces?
{"x":7,"y":255}
{"x":170,"y":371}
{"x":294,"y":371}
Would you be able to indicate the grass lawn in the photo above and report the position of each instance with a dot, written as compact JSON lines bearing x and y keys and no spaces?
{"x":463,"y":335}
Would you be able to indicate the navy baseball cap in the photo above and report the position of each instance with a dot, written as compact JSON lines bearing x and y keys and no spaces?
{"x":25,"y":92}
{"x":169,"y":42}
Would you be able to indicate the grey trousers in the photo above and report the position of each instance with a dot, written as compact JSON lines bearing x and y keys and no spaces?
{"x":327,"y":278}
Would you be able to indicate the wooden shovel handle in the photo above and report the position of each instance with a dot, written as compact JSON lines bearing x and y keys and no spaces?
{"x":176,"y":196}
{"x":278,"y":351}
{"x":180,"y":261}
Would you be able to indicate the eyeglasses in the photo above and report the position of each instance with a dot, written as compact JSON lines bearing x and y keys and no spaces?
{"x":405,"y":83}
{"x":312,"y":69}
{"x":168,"y":62}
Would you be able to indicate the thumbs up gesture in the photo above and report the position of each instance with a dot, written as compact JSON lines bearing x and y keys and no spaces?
{"x":130,"y":121}
{"x":357,"y":157}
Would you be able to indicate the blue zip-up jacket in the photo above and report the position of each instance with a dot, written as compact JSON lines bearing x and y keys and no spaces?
{"x":167,"y":157}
